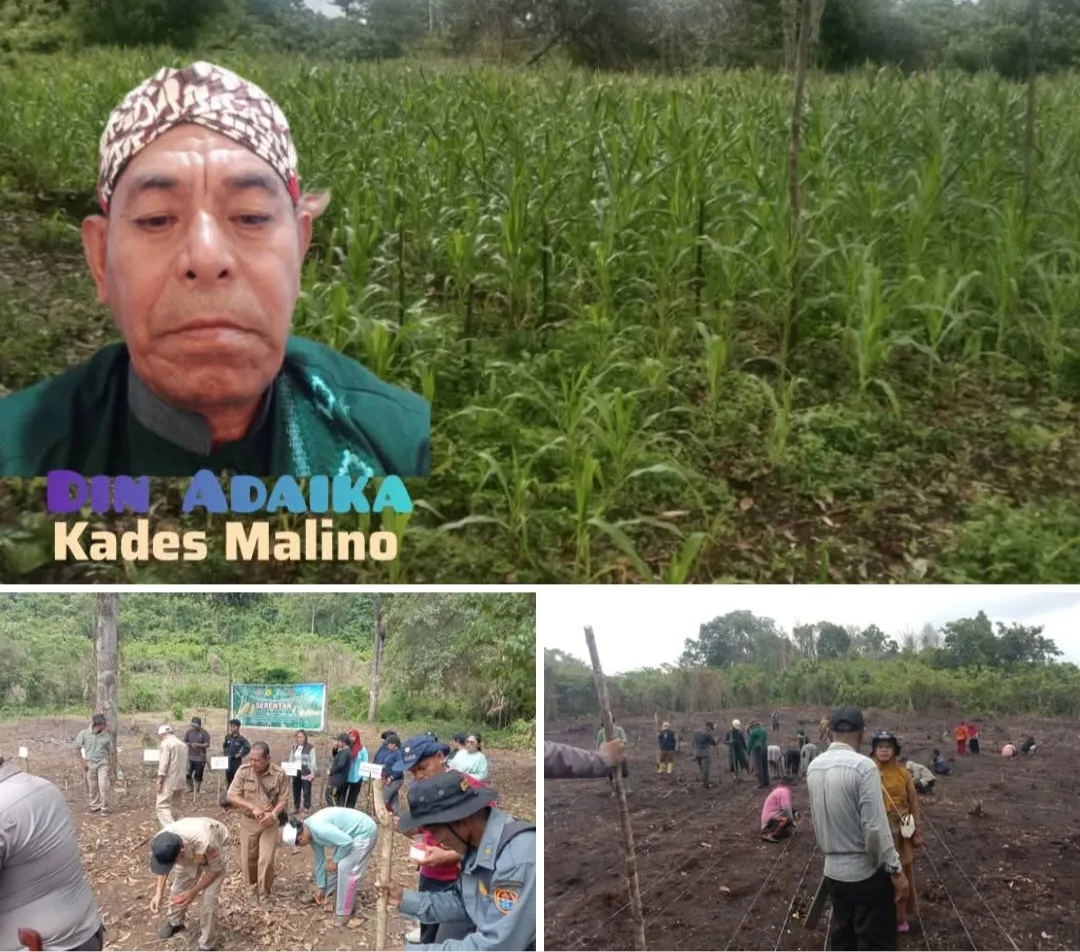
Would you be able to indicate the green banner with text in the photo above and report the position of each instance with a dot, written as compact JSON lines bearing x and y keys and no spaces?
{"x":280,"y":706}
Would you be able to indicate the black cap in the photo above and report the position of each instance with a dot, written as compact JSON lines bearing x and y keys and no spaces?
{"x":444,"y":798}
{"x":196,"y":722}
{"x":163,"y":852}
{"x":385,"y":734}
{"x":98,"y":719}
{"x":848,"y":720}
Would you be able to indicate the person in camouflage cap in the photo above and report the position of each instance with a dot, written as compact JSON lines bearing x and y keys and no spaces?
{"x":198,"y":254}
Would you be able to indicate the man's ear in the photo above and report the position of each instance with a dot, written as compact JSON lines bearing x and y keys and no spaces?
{"x":309,"y":208}
{"x":95,"y":229}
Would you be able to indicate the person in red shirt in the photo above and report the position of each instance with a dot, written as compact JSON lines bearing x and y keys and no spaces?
{"x":425,"y":757}
{"x":961,"y":735}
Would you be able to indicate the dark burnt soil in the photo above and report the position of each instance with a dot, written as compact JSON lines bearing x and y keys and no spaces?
{"x":999,"y":834}
{"x":116,"y":851}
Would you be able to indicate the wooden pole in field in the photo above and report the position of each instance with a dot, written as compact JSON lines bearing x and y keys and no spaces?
{"x":629,"y":862}
{"x":386,"y":847}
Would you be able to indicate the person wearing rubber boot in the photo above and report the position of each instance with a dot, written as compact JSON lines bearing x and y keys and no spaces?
{"x":905,"y":816}
{"x":198,"y":743}
{"x":668,"y":742}
{"x":497,"y":890}
{"x":194,"y":850}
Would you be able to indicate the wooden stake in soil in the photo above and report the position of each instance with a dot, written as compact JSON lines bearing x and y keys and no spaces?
{"x":386,"y":848}
{"x":629,"y":862}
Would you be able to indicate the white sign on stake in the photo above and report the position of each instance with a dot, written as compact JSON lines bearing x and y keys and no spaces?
{"x":219,"y":763}
{"x":370,"y":770}
{"x":291,"y":767}
{"x":151,"y":756}
{"x":24,"y":753}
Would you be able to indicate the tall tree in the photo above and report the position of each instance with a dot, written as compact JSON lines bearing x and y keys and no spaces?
{"x":107,"y":655}
{"x":376,"y":656}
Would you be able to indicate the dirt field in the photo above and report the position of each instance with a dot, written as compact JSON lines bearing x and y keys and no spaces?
{"x":116,"y":850}
{"x":709,"y":882}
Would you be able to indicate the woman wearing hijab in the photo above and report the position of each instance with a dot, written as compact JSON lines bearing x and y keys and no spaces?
{"x":898,"y":790}
{"x":472,"y":760}
{"x":304,"y":755}
{"x":357,"y":755}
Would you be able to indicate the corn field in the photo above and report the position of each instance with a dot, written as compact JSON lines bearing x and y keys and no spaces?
{"x":636,"y":373}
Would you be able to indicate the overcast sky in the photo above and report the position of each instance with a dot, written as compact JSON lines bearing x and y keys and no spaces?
{"x":643,"y":626}
{"x":324,"y":6}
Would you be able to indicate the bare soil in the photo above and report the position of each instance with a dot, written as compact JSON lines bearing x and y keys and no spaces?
{"x":1002,"y":840}
{"x":116,"y":848}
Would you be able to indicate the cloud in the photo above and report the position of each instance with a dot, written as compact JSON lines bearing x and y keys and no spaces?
{"x":645,"y":626}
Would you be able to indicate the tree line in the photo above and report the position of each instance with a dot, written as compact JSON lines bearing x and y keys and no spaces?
{"x":973,"y":665}
{"x":666,"y":35}
{"x":444,"y":657}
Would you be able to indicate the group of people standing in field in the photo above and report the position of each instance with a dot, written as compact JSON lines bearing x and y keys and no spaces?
{"x":481,"y":859}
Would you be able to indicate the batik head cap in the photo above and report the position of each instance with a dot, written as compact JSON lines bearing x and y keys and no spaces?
{"x":208,"y":96}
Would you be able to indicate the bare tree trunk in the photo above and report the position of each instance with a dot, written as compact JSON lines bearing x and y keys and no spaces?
{"x":629,"y":860}
{"x":1029,"y":131}
{"x":106,"y":652}
{"x":386,"y":853}
{"x":376,"y":658}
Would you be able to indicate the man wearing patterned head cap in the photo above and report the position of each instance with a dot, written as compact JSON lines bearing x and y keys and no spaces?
{"x":198,"y":255}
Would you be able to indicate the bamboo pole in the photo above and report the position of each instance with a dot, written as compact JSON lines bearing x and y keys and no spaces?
{"x":386,"y":848}
{"x":629,"y":862}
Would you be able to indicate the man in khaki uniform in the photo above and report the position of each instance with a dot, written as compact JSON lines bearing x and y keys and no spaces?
{"x":172,"y":768}
{"x":195,"y":849}
{"x":97,"y":745}
{"x":260,"y":790}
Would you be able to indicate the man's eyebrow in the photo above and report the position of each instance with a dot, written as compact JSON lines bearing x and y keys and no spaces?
{"x":151,"y":181}
{"x":247,"y":180}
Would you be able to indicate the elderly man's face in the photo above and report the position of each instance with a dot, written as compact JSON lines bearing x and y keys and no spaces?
{"x":199,"y":262}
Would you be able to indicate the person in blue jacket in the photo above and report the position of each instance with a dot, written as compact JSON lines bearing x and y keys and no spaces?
{"x":352,"y":835}
{"x":497,"y":888}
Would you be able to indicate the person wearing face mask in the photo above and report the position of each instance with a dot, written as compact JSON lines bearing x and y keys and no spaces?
{"x":472,"y":760}
{"x":497,"y":891}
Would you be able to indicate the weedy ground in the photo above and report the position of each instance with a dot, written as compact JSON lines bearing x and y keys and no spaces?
{"x":636,"y":373}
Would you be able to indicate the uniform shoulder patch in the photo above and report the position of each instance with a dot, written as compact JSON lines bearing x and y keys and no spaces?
{"x":505,"y":899}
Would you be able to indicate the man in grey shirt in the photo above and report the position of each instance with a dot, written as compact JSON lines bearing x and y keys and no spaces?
{"x":862,"y":868}
{"x":42,"y":884}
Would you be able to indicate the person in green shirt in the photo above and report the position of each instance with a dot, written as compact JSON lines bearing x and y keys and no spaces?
{"x":800,"y":736}
{"x":198,"y":255}
{"x":758,"y":742}
{"x":601,"y":739}
{"x":94,"y":754}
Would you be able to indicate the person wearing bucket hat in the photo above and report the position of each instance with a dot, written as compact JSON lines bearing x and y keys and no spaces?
{"x":424,"y":757}
{"x":198,"y":253}
{"x":497,"y":890}
{"x":863,"y":873}
{"x":94,"y":751}
{"x":172,"y":770}
{"x":352,"y":835}
{"x":194,"y":850}
{"x":905,"y":816}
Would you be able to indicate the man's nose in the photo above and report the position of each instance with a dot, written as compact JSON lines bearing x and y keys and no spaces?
{"x":209,"y":252}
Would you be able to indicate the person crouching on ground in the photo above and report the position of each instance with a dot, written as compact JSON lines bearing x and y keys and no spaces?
{"x":194,"y":850}
{"x":352,"y":835}
{"x":900,"y":803}
{"x":921,"y":777}
{"x":497,"y":890}
{"x":601,"y":738}
{"x":668,"y":742}
{"x":778,"y":816}
{"x":939,"y":764}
